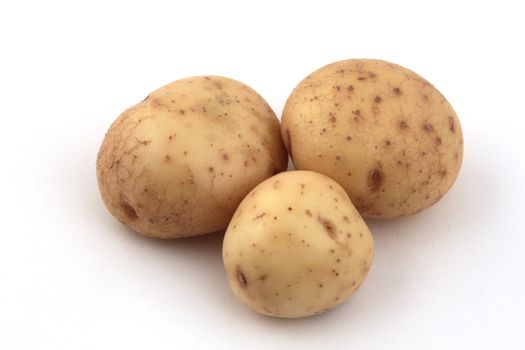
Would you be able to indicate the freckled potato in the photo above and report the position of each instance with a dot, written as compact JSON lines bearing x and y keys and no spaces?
{"x":179,"y":163}
{"x":296,"y":246}
{"x":383,"y":132}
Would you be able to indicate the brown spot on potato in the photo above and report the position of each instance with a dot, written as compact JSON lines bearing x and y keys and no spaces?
{"x":361,"y":78}
{"x":182,"y":111}
{"x":428,"y":127}
{"x":346,"y":219}
{"x":308,"y":213}
{"x":129,"y":211}
{"x":338,"y":88}
{"x":350,"y":88}
{"x":348,"y":138}
{"x":328,"y":226}
{"x":371,"y":74}
{"x":375,"y":179}
{"x":378,"y":99}
{"x":289,"y":208}
{"x":225,"y":156}
{"x":243,"y":282}
{"x":397,"y":91}
{"x":437,"y":141}
{"x":167,"y":158}
{"x":403,"y":124}
{"x":259,"y":216}
{"x":451,"y":124}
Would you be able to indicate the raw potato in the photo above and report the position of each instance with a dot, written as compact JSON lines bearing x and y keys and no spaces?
{"x":296,"y":246}
{"x":179,"y":163}
{"x":384,"y":133}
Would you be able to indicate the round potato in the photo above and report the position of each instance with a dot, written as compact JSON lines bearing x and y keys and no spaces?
{"x":384,"y":133}
{"x":180,"y":162}
{"x":296,"y":246}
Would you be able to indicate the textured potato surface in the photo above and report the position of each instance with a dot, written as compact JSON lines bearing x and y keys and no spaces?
{"x":296,"y":246}
{"x":383,"y":132}
{"x":178,"y":163}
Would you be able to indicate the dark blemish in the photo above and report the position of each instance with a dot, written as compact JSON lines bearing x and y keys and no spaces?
{"x":320,"y":285}
{"x":289,"y":208}
{"x":353,"y":283}
{"x":129,"y":211}
{"x":225,"y":156}
{"x":348,"y":235}
{"x":361,"y":78}
{"x":399,"y":162}
{"x":245,"y":163}
{"x":456,"y":156}
{"x":333,"y":119}
{"x":361,"y":234}
{"x":423,"y":153}
{"x":397,"y":91}
{"x":328,"y":226}
{"x":349,"y":174}
{"x":241,"y":278}
{"x":451,"y":125}
{"x":185,"y":153}
{"x":182,"y":111}
{"x":425,"y":98}
{"x":378,"y":99}
{"x":388,"y":143}
{"x":308,"y":213}
{"x":338,"y":260}
{"x":167,"y":158}
{"x":345,"y":219}
{"x":275,"y":217}
{"x":338,"y":157}
{"x":428,"y":127}
{"x":403,"y":124}
{"x":356,"y":112}
{"x":375,"y":179}
{"x":437,"y":141}
{"x":443,"y":173}
{"x":350,"y":88}
{"x":338,"y":88}
{"x":348,"y":138}
{"x":371,"y":74}
{"x":259,"y":216}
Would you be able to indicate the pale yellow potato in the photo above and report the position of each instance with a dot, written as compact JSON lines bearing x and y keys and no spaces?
{"x":383,"y":132}
{"x":296,"y":246}
{"x":180,"y":162}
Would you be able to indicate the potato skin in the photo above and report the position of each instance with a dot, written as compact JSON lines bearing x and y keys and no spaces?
{"x":383,"y":132}
{"x":296,"y":246}
{"x":178,"y":163}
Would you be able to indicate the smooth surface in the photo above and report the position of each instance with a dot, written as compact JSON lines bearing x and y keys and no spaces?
{"x":72,"y":277}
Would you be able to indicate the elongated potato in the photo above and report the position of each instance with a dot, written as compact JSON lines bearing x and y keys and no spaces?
{"x":296,"y":246}
{"x":178,"y":163}
{"x":383,"y":132}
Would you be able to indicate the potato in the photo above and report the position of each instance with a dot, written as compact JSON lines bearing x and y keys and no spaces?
{"x":296,"y":246}
{"x":384,"y":133}
{"x":180,"y":162}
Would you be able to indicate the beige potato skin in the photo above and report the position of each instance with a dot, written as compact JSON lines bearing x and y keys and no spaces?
{"x":178,"y":163}
{"x":296,"y":246}
{"x":383,"y":132}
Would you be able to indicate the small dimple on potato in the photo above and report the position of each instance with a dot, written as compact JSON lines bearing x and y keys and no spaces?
{"x":302,"y":258}
{"x":387,"y":115}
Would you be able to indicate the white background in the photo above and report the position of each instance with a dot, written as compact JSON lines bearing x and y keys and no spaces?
{"x":452,"y":277}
